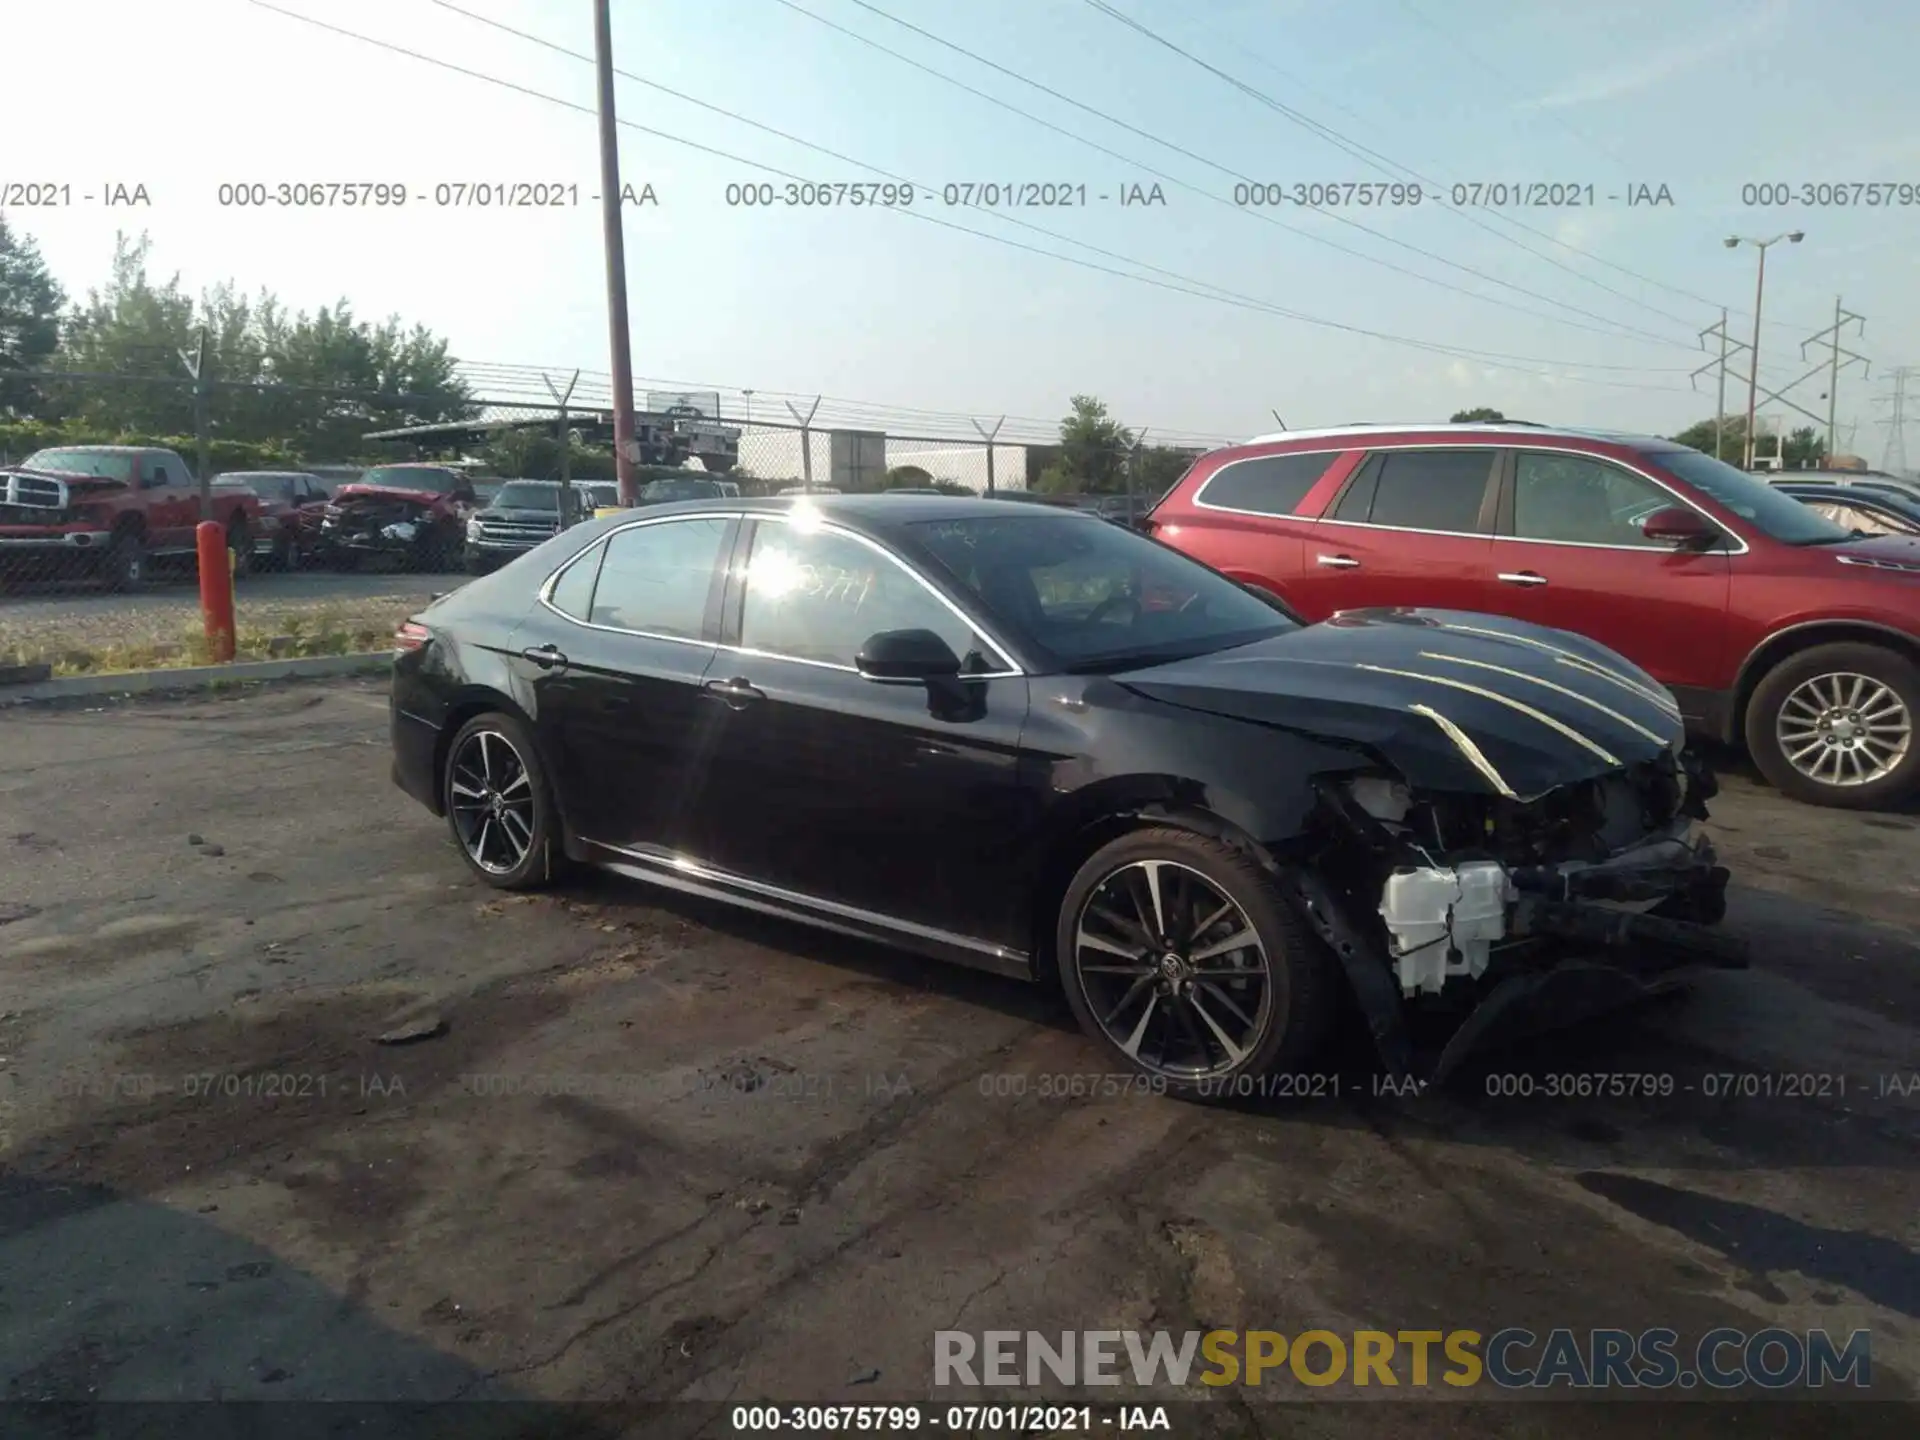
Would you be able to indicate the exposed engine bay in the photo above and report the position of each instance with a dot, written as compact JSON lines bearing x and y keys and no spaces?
{"x":1439,"y":902}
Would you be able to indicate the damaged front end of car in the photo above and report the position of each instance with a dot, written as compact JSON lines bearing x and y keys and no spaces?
{"x":1488,"y":917}
{"x":374,"y":524}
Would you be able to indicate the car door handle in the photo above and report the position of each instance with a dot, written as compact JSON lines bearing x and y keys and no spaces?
{"x":547,"y":657}
{"x":736,"y":692}
{"x":1338,"y":562}
{"x":1523,"y":577}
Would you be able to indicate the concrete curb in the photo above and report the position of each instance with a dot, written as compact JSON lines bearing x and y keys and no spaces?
{"x":146,"y":682}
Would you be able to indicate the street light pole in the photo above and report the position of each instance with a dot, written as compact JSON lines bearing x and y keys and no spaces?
{"x":1792,"y":237}
{"x":616,"y":258}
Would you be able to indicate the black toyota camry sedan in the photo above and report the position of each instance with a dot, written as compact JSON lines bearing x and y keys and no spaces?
{"x":1025,"y":739}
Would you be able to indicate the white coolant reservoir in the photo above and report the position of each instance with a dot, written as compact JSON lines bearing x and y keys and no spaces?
{"x":1443,"y":922}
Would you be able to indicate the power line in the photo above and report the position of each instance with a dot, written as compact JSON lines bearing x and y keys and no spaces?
{"x":1114,"y":120}
{"x":1508,"y":83}
{"x":1217,"y":294}
{"x":1614,"y":330}
{"x":1378,"y":161}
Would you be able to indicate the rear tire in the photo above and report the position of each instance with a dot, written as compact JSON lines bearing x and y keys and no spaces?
{"x":1146,"y":957}
{"x":1834,"y":725}
{"x":499,"y":806}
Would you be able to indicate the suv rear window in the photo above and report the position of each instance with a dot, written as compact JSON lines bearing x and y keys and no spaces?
{"x":1267,"y":484}
{"x":1420,"y":490}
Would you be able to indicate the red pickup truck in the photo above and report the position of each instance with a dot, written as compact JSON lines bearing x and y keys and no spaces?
{"x":109,"y":510}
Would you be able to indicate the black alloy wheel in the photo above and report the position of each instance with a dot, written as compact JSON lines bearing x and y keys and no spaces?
{"x":1179,"y":955}
{"x":499,"y":806}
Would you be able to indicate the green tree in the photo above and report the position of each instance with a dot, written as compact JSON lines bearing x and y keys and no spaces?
{"x":1479,"y":415}
{"x":1094,"y":451}
{"x":311,"y":383}
{"x":907,"y":475}
{"x":30,"y":305}
{"x":1731,"y":441}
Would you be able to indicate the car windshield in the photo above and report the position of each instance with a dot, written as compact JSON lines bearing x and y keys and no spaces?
{"x":1095,"y":597}
{"x":1774,"y":514}
{"x":528,"y":495}
{"x":663,"y":490}
{"x":412,"y":477}
{"x":106,"y":464}
{"x":267,"y":487}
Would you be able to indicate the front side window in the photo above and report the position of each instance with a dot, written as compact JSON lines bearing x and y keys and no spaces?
{"x":656,"y":578}
{"x":819,"y":595}
{"x":1093,"y":596}
{"x":1776,"y":515}
{"x":1580,"y":500}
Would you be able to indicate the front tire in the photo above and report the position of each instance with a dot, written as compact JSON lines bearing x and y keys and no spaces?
{"x":499,"y":806}
{"x":1180,"y":957}
{"x":1834,"y":725}
{"x":125,"y":565}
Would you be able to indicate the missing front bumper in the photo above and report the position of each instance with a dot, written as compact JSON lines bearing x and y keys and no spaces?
{"x":1533,"y":950}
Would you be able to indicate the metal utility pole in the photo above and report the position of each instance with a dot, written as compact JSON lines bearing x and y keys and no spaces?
{"x":1792,"y":237}
{"x":196,"y":364}
{"x":1841,"y":318}
{"x":623,"y":443}
{"x":566,"y":444}
{"x":988,"y":435}
{"x":1894,"y":461}
{"x":749,"y":399}
{"x":806,"y":440}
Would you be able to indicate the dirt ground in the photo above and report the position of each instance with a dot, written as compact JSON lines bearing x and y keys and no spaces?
{"x":650,"y":1150}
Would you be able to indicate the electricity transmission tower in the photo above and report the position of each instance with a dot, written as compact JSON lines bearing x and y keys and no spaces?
{"x":1895,"y":459}
{"x":1841,"y":319}
{"x":1728,"y":348}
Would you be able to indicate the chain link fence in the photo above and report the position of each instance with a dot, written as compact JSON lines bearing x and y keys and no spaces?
{"x":98,"y":567}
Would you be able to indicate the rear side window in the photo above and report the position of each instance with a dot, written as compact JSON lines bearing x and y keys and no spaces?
{"x":655,"y":578}
{"x":1267,"y":485}
{"x":572,"y":593}
{"x":1420,"y":490}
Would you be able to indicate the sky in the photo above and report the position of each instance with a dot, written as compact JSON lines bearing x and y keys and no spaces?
{"x":1194,"y":317}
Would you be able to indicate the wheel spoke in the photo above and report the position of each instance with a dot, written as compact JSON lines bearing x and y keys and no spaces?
{"x":1234,"y":1053}
{"x":1132,"y":1043}
{"x":1218,"y":992}
{"x":1090,"y":941}
{"x":1128,"y":929}
{"x":1134,"y":992}
{"x":1239,"y":940}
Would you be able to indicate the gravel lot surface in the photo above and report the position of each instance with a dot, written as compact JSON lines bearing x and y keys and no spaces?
{"x":782,"y":1160}
{"x":47,"y":619}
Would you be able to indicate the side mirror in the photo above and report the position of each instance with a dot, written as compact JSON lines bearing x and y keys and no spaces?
{"x":1678,"y":525}
{"x":907,"y":655}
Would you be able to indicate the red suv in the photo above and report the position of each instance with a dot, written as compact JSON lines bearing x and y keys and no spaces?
{"x":1767,"y":621}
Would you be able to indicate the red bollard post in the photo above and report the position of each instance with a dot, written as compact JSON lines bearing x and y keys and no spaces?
{"x":216,"y":587}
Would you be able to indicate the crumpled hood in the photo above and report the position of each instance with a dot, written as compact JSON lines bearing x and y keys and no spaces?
{"x":386,"y":492}
{"x":1451,"y":699}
